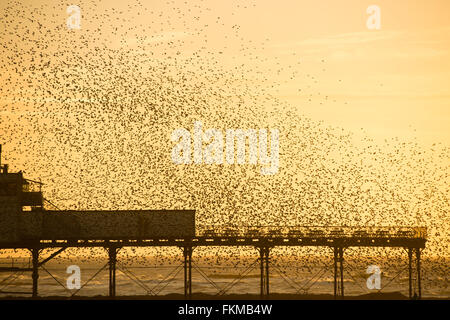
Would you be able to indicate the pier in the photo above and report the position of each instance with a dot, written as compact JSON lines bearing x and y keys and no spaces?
{"x":26,"y":224}
{"x":262,"y":238}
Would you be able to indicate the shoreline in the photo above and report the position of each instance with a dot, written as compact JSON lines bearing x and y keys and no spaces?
{"x":203,"y":296}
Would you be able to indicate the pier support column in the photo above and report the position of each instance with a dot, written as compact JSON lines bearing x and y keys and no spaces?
{"x":112,"y":252}
{"x":338,"y":272}
{"x":264,"y":266}
{"x":414,"y":273}
{"x":187,"y":252}
{"x":341,"y":265}
{"x":419,"y":285}
{"x":35,"y":272}
{"x":410,"y":255}
{"x":335,"y":269}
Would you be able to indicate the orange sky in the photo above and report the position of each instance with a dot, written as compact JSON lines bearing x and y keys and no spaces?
{"x":391,"y":82}
{"x":319,"y":56}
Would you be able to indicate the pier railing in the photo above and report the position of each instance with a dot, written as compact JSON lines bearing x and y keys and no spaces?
{"x":312,"y":232}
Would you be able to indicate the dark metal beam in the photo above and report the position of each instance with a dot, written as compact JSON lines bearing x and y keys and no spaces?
{"x":419,"y":285}
{"x":223,"y":241}
{"x":112,"y":253}
{"x":410,"y":254}
{"x":335,"y":269}
{"x":261,"y":261}
{"x":338,"y":258}
{"x":267,"y":272}
{"x":187,"y":252}
{"x":264,"y":269}
{"x":35,"y":271}
{"x":341,"y":261}
{"x":54,"y":254}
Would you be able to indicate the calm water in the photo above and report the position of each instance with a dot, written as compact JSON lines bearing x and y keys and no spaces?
{"x":138,"y":279}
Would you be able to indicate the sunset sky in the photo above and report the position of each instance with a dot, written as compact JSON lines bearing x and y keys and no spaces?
{"x":391,"y":82}
{"x":78,"y":107}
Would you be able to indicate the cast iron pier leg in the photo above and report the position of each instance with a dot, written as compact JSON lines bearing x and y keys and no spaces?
{"x":419,"y":285}
{"x":267,"y":272}
{"x":264,"y":268}
{"x":335,"y":260}
{"x":112,"y":251}
{"x":187,"y":272}
{"x":410,"y":254}
{"x":338,"y":278}
{"x":35,"y":274}
{"x":341,"y":261}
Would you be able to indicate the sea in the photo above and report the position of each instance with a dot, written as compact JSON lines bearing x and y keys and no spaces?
{"x":138,"y":278}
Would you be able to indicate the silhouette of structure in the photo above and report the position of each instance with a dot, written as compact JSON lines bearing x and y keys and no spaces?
{"x":25,"y":224}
